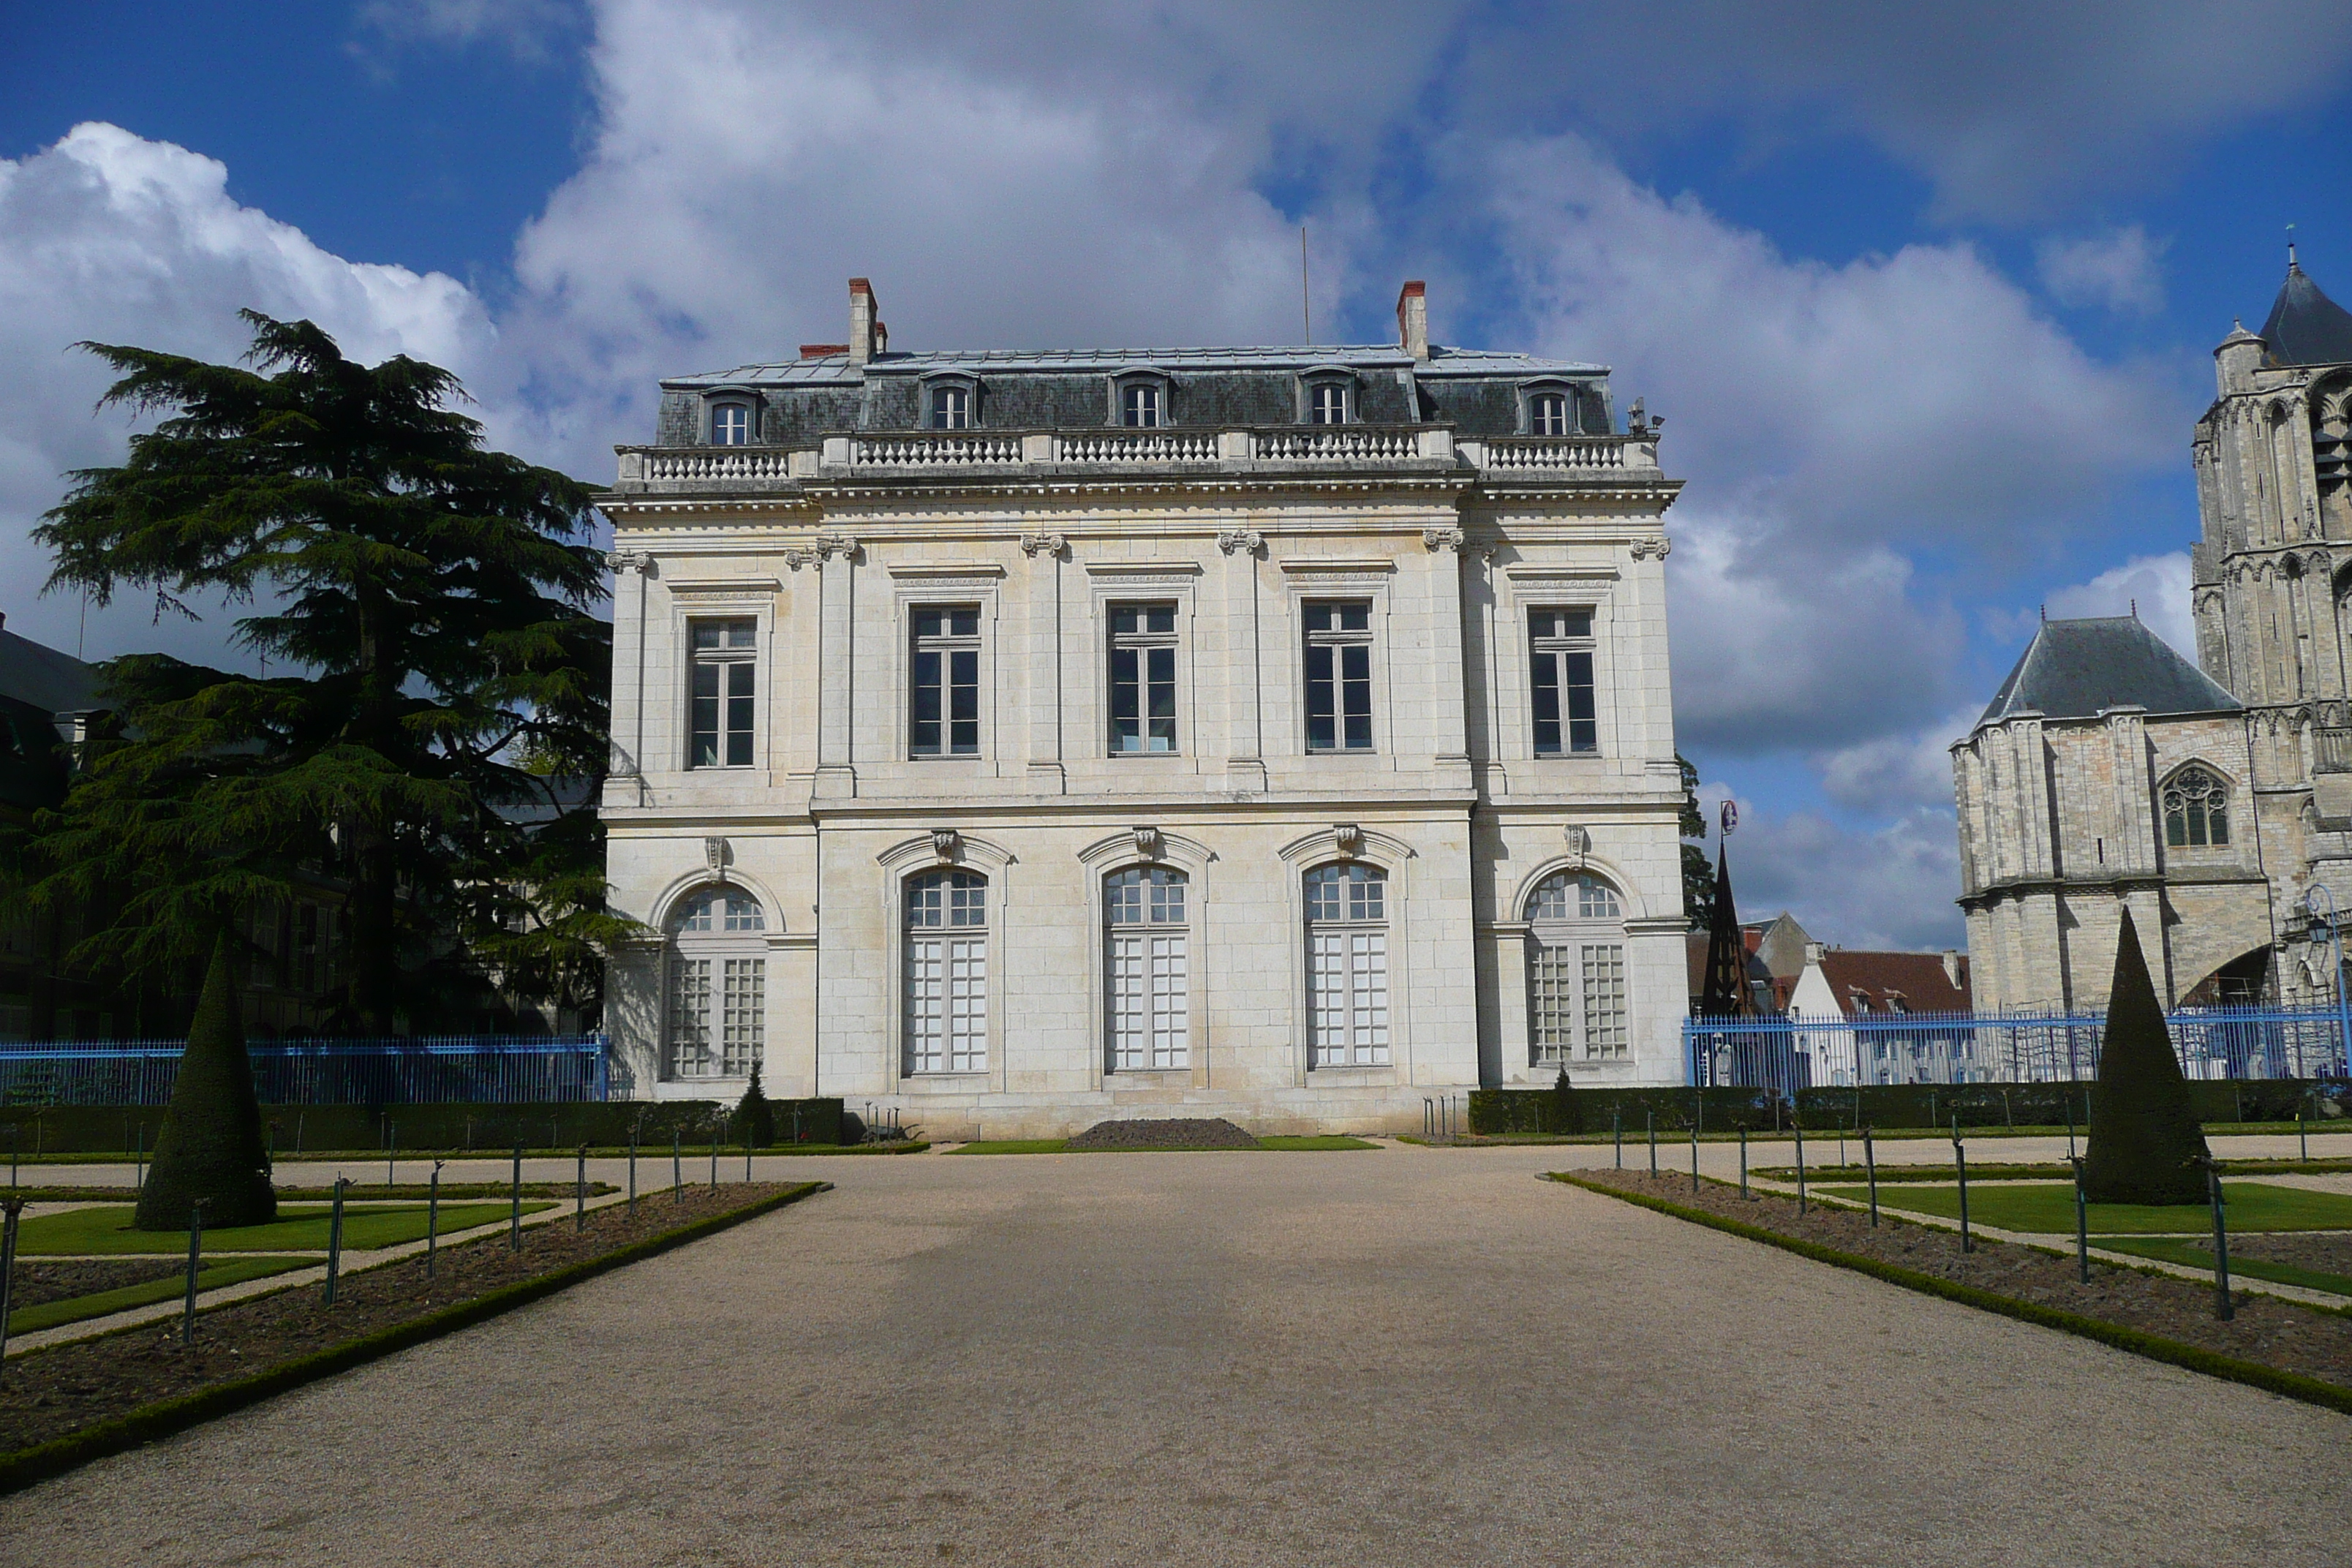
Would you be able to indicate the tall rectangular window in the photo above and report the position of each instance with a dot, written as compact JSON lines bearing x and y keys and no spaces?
{"x":1142,"y":679}
{"x":1604,"y":1000}
{"x":1138,"y":405}
{"x":946,"y":973}
{"x":943,"y":701}
{"x":1339,"y":675}
{"x":1346,"y":965}
{"x":951,"y":409}
{"x":724,"y":657}
{"x":1561,"y":655}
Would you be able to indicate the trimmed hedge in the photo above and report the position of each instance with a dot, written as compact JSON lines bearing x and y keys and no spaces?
{"x":115,"y":1129}
{"x":2195,"y":1357}
{"x":27,"y":1466}
{"x":1881,"y":1105}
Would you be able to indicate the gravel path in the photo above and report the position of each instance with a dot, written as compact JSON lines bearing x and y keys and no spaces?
{"x":1402,"y":1357}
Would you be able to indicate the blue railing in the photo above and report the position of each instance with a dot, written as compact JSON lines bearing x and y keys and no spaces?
{"x":479,"y":1070}
{"x":1789,"y":1054}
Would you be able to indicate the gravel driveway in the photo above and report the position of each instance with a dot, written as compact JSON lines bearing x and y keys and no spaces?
{"x":1396,"y":1357}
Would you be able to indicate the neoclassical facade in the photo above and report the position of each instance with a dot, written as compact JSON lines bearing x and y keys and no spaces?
{"x":1017,"y":740}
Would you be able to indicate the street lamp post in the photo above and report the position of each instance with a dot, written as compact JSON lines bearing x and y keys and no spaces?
{"x":2313,"y":903}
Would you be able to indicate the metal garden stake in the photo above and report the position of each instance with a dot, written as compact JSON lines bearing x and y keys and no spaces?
{"x":1617,"y":1132}
{"x":1694,"y":1159}
{"x":714,"y":1159}
{"x":139,"y":1167}
{"x":632,"y":1173}
{"x":12,"y":1208}
{"x":432,"y":1219}
{"x":1870,"y":1169}
{"x":335,"y":1239}
{"x":1743,"y":1159}
{"x":391,"y":1152}
{"x":2223,"y":1308}
{"x":2067,"y":1099}
{"x":195,"y":1262}
{"x":1800,"y":1166}
{"x":580,"y":1192}
{"x":1961,"y":1162}
{"x":514,"y":1216}
{"x":1650,"y":1120}
{"x":677,"y":1167}
{"x":2301,"y":1134}
{"x":2082,"y":1226}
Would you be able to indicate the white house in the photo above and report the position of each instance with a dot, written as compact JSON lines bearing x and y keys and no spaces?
{"x":1020,"y":740}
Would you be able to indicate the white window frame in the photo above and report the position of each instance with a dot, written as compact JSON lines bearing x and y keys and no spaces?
{"x":1560,"y":651}
{"x":947,"y":644}
{"x":948,"y":405}
{"x":958,"y":985}
{"x":724,"y":661}
{"x":714,"y":986}
{"x":1142,"y":645}
{"x":737,"y":417}
{"x":1350,"y":977}
{"x":1147,"y":970}
{"x":1577,"y":961}
{"x":1338,"y":639}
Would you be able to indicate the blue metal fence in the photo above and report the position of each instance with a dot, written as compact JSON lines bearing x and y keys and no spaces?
{"x":1789,"y":1054}
{"x":482,"y":1069}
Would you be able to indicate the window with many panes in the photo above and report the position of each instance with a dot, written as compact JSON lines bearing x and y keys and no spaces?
{"x":943,"y":697}
{"x":1559,"y":651}
{"x":723,"y":657}
{"x":1146,"y":970}
{"x":731,"y":424}
{"x":1346,"y":965}
{"x":1339,"y":675}
{"x":1142,"y":679}
{"x":1326,"y":403}
{"x":1576,"y":971}
{"x":946,"y":972}
{"x":1138,"y":405}
{"x":1548,"y":413}
{"x":2196,"y":810}
{"x":718,"y":985}
{"x":951,"y":409}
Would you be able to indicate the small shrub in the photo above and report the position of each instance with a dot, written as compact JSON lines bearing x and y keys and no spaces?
{"x":211,"y":1146}
{"x":754,"y":1122}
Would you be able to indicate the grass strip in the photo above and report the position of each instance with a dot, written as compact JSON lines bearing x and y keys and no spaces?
{"x":37,"y":1463}
{"x":1016,"y":1146}
{"x":2047,"y":1208}
{"x":2195,"y":1254}
{"x":2051,"y":1171}
{"x":106,"y":1229}
{"x":1315,"y":1143}
{"x":2194,"y":1358}
{"x":74,"y":1308}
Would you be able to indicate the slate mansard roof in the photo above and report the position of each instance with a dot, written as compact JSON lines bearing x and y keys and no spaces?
{"x":2305,"y":326}
{"x":2074,"y":669}
{"x":1476,"y":391}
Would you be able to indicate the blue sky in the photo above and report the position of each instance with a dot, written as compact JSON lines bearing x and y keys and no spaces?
{"x":1927,"y":299}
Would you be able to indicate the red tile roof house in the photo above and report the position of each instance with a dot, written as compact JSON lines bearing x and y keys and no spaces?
{"x":1854,"y":985}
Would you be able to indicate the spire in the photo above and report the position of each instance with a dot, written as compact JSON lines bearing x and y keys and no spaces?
{"x":2306,"y":327}
{"x":1723,"y":992}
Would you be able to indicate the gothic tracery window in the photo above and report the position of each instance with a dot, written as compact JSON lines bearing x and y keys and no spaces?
{"x":2196,"y":810}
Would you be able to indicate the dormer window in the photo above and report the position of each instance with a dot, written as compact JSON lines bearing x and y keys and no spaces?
{"x":951,"y":409}
{"x":1138,"y":405}
{"x":732,"y":424}
{"x":1326,"y":404}
{"x":1548,"y":414}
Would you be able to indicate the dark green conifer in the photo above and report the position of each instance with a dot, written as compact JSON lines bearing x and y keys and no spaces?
{"x":211,"y":1146}
{"x":2145,"y":1141}
{"x":1566,"y":1116}
{"x":755,"y":1115}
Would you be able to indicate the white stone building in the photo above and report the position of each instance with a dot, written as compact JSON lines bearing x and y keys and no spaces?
{"x":1017,"y":740}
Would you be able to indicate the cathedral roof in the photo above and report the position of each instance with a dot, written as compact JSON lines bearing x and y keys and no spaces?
{"x":2306,"y":327}
{"x":2074,"y":669}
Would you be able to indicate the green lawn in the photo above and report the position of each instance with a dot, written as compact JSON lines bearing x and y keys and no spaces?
{"x":2199,"y":1256}
{"x":1016,"y":1146}
{"x":2049,"y":1207}
{"x":74,"y":1308}
{"x":301,"y":1226}
{"x":1317,"y":1142}
{"x":1312,"y":1143}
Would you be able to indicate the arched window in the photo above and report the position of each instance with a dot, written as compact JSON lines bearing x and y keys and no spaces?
{"x":946,"y":972}
{"x":718,"y":984}
{"x":2196,"y":810}
{"x":1147,"y":969}
{"x":1576,"y":971}
{"x":1346,"y":965}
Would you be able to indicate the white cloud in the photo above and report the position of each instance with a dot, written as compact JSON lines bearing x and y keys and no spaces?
{"x":1888,"y":886}
{"x":2153,"y":587}
{"x":527,"y":29}
{"x":2121,"y":270}
{"x":1893,"y":774}
{"x":110,"y":237}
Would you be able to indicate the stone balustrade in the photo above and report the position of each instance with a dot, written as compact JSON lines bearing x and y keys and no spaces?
{"x":1303,"y":447}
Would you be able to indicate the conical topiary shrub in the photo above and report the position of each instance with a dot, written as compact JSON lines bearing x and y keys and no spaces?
{"x":2144,"y":1137}
{"x":1564,"y":1115}
{"x":755,"y":1117}
{"x":211,"y":1145}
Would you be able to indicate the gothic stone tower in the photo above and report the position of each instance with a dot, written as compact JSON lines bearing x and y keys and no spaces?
{"x":2274,"y":592}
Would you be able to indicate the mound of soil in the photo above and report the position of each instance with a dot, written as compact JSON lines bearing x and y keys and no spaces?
{"x":1164,"y":1132}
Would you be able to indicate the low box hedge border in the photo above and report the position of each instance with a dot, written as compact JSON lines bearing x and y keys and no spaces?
{"x":27,"y":1466}
{"x":2193,"y":1358}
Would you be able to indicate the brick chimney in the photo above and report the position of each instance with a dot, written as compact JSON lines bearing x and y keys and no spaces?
{"x":1413,"y":319}
{"x":868,"y":335}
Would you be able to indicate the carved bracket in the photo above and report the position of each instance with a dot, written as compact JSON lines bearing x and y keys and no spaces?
{"x":1437,"y":539}
{"x":1579,"y":844}
{"x":715,"y":858}
{"x":1240,"y":540}
{"x":1049,"y":545}
{"x":1349,"y":838}
{"x":819,"y":551}
{"x":1148,"y":843}
{"x":629,"y":560}
{"x":1643,"y":549}
{"x":947,"y":844}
